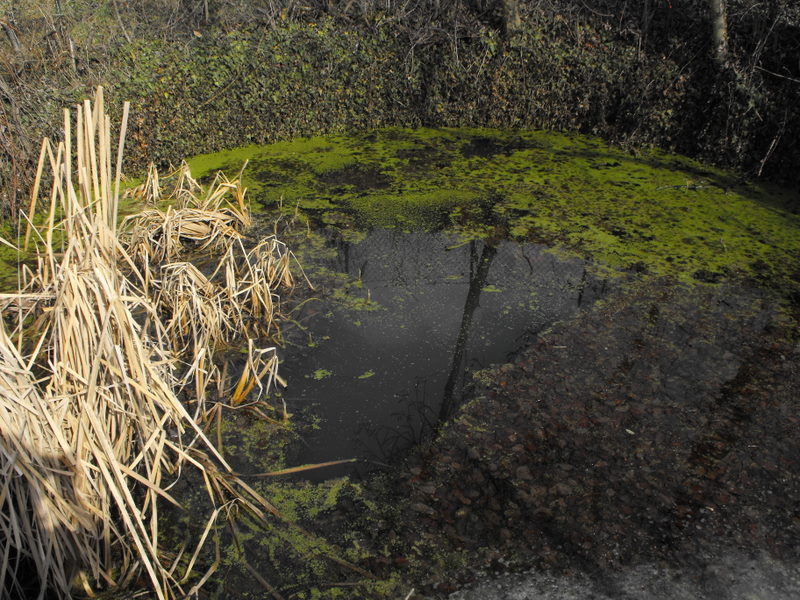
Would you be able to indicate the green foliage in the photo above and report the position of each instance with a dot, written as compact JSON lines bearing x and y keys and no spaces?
{"x":299,"y":79}
{"x":307,"y":551}
{"x":254,"y":73}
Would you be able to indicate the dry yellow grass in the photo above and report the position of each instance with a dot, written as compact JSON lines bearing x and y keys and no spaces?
{"x":92,"y":429}
{"x":205,"y":311}
{"x":190,"y":223}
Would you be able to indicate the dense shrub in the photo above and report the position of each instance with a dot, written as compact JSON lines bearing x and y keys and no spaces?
{"x":205,"y":75}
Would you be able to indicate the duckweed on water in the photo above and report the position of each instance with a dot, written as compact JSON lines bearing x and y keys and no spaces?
{"x":647,"y":212}
{"x":309,"y":552}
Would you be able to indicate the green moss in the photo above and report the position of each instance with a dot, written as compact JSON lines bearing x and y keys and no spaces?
{"x":302,"y":552}
{"x":10,"y":259}
{"x":650,"y":212}
{"x":348,"y":299}
{"x":310,"y":560}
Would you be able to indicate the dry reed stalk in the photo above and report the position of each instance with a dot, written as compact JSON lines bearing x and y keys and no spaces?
{"x":185,"y":187}
{"x":178,"y":185}
{"x":157,"y":236}
{"x":194,"y":306}
{"x":211,"y":223}
{"x":203,"y":313}
{"x":100,"y":430}
{"x":148,"y":192}
{"x":261,"y":364}
{"x":35,"y":191}
{"x":250,"y":278}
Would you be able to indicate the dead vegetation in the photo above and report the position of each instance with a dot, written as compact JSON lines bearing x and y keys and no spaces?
{"x":97,"y":351}
{"x":190,"y":222}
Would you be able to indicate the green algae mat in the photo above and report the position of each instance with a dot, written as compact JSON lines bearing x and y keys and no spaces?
{"x":648,"y":212}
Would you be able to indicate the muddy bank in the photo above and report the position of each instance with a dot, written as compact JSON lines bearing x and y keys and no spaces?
{"x":653,"y":428}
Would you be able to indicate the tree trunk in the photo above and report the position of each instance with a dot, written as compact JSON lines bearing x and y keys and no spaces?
{"x":719,"y":30}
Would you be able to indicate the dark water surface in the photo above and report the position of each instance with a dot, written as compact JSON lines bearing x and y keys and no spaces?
{"x":652,"y":440}
{"x":634,"y":440}
{"x":425,"y":311}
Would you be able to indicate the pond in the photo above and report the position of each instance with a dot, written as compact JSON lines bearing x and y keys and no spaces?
{"x":599,"y":348}
{"x":389,"y":357}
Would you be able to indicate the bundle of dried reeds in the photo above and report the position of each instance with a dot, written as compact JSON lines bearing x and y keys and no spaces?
{"x":191,"y":222}
{"x":172,"y":186}
{"x":249,"y":278}
{"x":92,"y":431}
{"x":205,"y":311}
